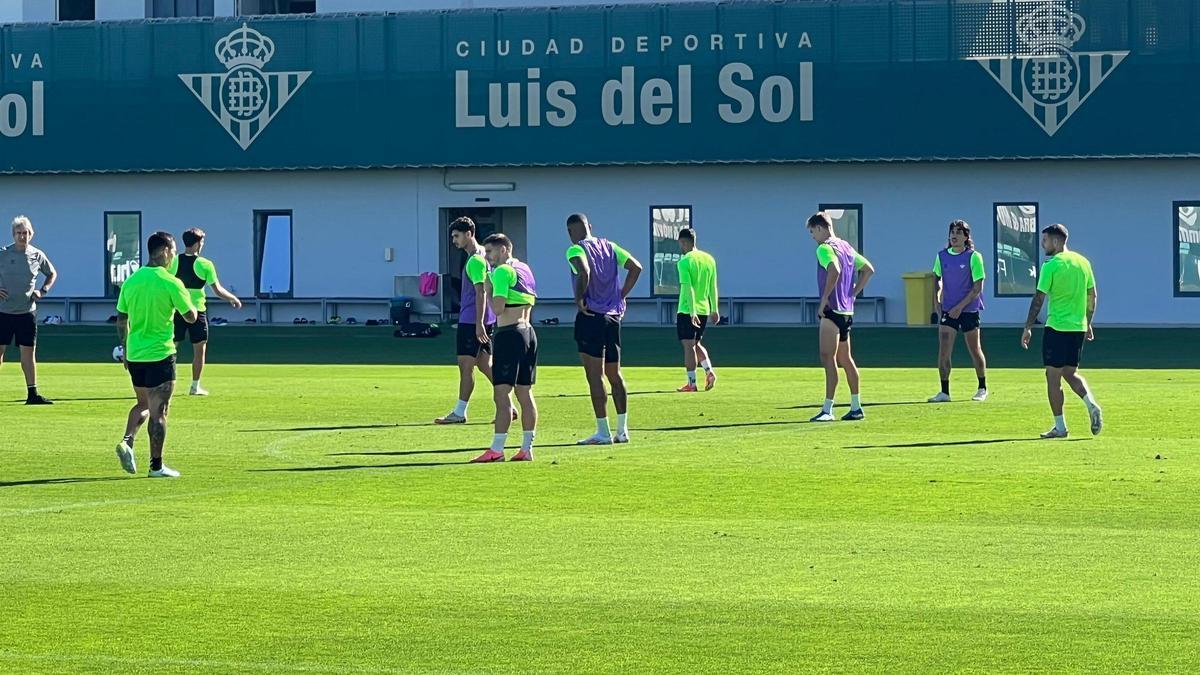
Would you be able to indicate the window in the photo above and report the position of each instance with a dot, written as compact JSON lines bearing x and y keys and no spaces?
{"x":847,"y":222}
{"x":273,"y":254}
{"x":1017,"y":247}
{"x":1187,"y":247}
{"x":665,"y":224}
{"x":76,"y":10}
{"x":167,"y":9}
{"x":252,"y":7}
{"x":122,"y":249}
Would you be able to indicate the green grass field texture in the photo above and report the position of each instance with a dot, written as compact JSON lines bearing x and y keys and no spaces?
{"x":323,"y":526}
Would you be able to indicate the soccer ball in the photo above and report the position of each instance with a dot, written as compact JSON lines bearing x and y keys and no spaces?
{"x":118,"y":353}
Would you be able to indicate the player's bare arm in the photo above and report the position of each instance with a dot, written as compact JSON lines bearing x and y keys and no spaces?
{"x":583,"y":276}
{"x":1091,"y":312}
{"x":123,"y":335}
{"x":831,"y":281}
{"x":864,"y":275}
{"x":1035,"y":308}
{"x":976,"y":291}
{"x":480,"y":329}
{"x":633,"y":270}
{"x":226,"y":295}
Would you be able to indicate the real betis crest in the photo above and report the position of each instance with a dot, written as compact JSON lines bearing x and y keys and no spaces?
{"x":1051,"y":81}
{"x":244,"y":99}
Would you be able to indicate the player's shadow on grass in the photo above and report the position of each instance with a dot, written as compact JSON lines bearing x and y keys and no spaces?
{"x":817,"y":406}
{"x":344,"y":427}
{"x":731,"y":425}
{"x":948,"y":444}
{"x":353,"y":467}
{"x":450,"y":451}
{"x":98,"y":398}
{"x":629,"y":393}
{"x":58,"y":481}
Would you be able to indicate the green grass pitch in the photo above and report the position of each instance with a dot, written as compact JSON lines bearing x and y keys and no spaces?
{"x":323,"y":526}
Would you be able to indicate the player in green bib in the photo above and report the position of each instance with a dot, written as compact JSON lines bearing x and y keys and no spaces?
{"x":697,"y":305}
{"x":145,"y":324}
{"x":196,"y":272}
{"x":1067,"y":281}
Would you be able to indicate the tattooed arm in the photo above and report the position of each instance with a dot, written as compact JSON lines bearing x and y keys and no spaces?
{"x":123,"y":334}
{"x":1035,"y":308}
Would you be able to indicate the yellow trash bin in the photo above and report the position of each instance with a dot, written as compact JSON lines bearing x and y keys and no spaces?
{"x":918,"y":297}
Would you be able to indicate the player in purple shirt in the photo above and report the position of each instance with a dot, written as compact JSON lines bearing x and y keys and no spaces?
{"x":958,"y":298}
{"x":837,"y":262}
{"x":596,"y":266}
{"x":473,"y":351}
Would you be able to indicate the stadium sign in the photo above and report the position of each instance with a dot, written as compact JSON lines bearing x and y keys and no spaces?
{"x":682,"y":83}
{"x":244,"y":99}
{"x":1052,"y":81}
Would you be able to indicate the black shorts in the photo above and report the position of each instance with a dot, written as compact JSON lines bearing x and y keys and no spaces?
{"x":684,"y":329}
{"x":514,"y":356}
{"x":468,"y":343}
{"x":22,"y":327}
{"x":148,"y":375}
{"x":599,"y":335}
{"x":842,"y":321}
{"x":198,"y":332}
{"x":965,"y":323}
{"x":1060,"y":349}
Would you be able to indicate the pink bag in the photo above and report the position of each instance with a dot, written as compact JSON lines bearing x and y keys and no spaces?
{"x":429,"y":283}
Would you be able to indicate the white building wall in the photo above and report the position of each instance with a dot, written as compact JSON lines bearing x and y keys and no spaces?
{"x":113,"y":10}
{"x":750,"y":217}
{"x":38,"y":10}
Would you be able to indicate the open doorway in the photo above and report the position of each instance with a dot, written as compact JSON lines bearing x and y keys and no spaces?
{"x":508,"y":220}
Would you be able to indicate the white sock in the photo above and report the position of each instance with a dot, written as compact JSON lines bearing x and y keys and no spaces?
{"x":691,"y":377}
{"x":623,"y":424}
{"x":460,"y":408}
{"x":1090,"y":402}
{"x":1060,"y":422}
{"x":602,"y":427}
{"x":498,"y":442}
{"x":527,"y":440}
{"x":706,"y":364}
{"x":195,"y":383}
{"x":828,"y":407}
{"x":855,"y":402}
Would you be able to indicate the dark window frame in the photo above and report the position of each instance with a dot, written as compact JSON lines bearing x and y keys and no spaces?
{"x":650,"y":220}
{"x":845,"y":207}
{"x":1037,"y":249}
{"x":260,"y":222}
{"x":58,"y":12}
{"x":289,"y":8}
{"x":203,"y":8}
{"x":105,"y":284}
{"x":1175,"y":206}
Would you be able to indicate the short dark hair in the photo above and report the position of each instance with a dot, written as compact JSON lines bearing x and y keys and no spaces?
{"x":1057,"y":230}
{"x":158,"y":241}
{"x":193,"y":236}
{"x":463,"y":224}
{"x":498,"y":239}
{"x":579,"y":218}
{"x":820,"y":219}
{"x":688,"y":234}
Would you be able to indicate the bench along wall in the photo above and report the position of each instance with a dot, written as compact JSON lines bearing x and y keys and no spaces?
{"x":751,"y":217}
